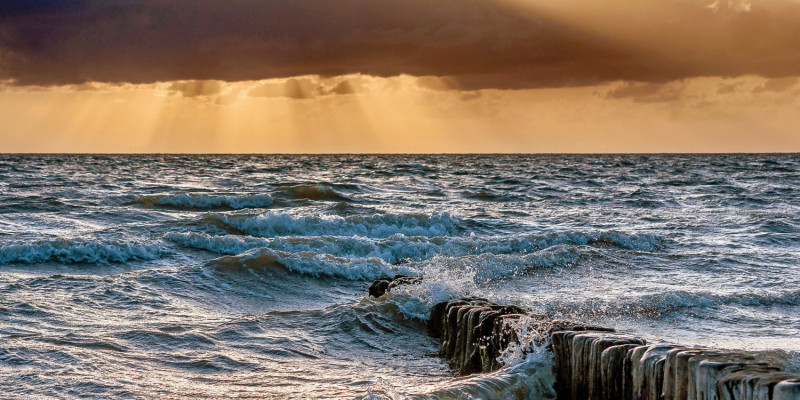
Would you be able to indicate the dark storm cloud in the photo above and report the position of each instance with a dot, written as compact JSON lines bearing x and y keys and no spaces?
{"x":478,"y":43}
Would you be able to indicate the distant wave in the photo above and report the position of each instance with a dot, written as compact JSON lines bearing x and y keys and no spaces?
{"x":398,"y":248}
{"x":707,"y":299}
{"x":308,"y":263}
{"x":487,"y":194}
{"x":385,"y":225}
{"x":198,"y":201}
{"x":77,"y":251}
{"x":670,"y":301}
{"x":32,"y":204}
{"x":312,"y":192}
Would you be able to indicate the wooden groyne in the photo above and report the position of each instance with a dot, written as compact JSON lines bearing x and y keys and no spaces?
{"x":595,"y":363}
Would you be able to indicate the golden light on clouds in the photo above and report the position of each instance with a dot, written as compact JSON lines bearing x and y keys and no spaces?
{"x":360,"y":113}
{"x":400,"y":76}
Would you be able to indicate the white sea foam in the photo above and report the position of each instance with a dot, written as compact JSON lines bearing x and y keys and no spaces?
{"x":78,"y":251}
{"x":527,"y":375}
{"x":440,"y":283}
{"x":528,"y":364}
{"x":200,"y":201}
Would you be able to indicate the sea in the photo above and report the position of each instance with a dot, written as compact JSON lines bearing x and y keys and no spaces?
{"x":246,"y":276}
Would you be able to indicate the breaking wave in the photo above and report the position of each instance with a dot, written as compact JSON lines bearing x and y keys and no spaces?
{"x":401,"y":248}
{"x":70,"y":251}
{"x":308,"y":263}
{"x":318,"y":192}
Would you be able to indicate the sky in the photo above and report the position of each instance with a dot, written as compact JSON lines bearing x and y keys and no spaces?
{"x":409,"y":76}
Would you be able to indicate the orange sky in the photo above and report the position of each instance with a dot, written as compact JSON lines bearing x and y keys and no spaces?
{"x":403,"y":114}
{"x":400,"y":76}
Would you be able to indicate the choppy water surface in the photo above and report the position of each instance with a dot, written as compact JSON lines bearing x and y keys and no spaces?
{"x":245,"y":276}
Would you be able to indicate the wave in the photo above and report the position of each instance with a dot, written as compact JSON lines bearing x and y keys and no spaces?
{"x":318,"y":192}
{"x":707,"y":299}
{"x":495,"y":195}
{"x":672,"y":301}
{"x":445,"y":279}
{"x":483,"y":268}
{"x":70,"y":251}
{"x":198,"y":201}
{"x":490,"y":267}
{"x":32,"y":204}
{"x":378,"y":225}
{"x":400,"y":248}
{"x":308,"y":263}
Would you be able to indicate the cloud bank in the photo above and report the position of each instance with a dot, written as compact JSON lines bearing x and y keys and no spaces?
{"x":474,"y":43}
{"x":403,"y":114}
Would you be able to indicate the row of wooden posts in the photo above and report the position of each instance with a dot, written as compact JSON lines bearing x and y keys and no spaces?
{"x":595,"y":363}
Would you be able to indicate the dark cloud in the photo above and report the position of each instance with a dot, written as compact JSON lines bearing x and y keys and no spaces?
{"x":467,"y":96}
{"x":17,"y":8}
{"x":197,"y":88}
{"x":346,"y":87}
{"x":776,"y":85}
{"x":476,"y":43}
{"x":295,"y":88}
{"x":726,"y":88}
{"x":436,"y":83}
{"x":309,"y":87}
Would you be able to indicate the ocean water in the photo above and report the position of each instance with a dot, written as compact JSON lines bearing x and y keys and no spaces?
{"x":244,"y":276}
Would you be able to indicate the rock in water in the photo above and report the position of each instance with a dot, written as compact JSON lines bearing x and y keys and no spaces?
{"x":384,"y":284}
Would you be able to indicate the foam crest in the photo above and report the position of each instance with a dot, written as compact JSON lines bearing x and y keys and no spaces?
{"x":71,"y":251}
{"x":376,"y":226}
{"x":223,"y":244}
{"x":199,"y":201}
{"x":308,"y":263}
